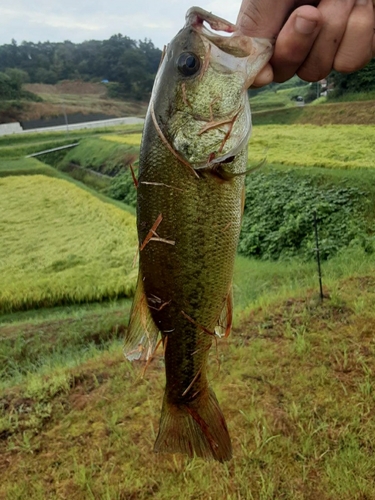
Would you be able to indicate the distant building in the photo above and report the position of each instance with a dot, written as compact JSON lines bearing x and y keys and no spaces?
{"x":323,"y":87}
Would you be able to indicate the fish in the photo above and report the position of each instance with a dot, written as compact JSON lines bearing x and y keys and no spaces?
{"x":190,"y":197}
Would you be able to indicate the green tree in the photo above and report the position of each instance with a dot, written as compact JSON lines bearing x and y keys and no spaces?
{"x":359,"y":81}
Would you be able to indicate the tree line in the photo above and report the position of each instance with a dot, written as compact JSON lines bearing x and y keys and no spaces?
{"x":129,"y":66}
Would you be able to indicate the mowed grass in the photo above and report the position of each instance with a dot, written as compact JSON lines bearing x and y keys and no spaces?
{"x":295,"y":384}
{"x":60,"y":244}
{"x":40,"y":341}
{"x":330,"y":146}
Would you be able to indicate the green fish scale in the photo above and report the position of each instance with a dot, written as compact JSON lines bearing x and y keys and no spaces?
{"x":202,"y":217}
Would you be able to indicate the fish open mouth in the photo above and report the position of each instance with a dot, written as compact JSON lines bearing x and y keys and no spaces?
{"x":224,"y":132}
{"x":207,"y":119}
{"x":196,"y":17}
{"x":238,"y":45}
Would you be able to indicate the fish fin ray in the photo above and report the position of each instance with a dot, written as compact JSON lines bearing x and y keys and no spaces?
{"x":195,"y":428}
{"x":142,"y":334}
{"x":224,"y":326}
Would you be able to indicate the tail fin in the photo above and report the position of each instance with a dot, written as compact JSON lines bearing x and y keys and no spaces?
{"x":195,"y":428}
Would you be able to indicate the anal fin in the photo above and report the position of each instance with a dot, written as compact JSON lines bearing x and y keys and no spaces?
{"x":142,"y":334}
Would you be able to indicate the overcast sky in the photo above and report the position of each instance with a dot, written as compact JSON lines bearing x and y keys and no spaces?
{"x":79,"y":20}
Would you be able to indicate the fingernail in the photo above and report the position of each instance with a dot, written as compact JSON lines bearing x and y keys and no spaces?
{"x":361,"y":2}
{"x":305,"y":26}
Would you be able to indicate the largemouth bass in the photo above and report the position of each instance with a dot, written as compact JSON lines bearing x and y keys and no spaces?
{"x":190,"y":195}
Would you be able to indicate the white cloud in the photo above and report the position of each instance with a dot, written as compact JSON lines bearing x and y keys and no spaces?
{"x":79,"y":20}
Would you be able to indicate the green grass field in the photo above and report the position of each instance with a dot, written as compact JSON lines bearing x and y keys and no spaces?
{"x":303,"y":145}
{"x":318,"y":113}
{"x":331,"y":146}
{"x":61,"y":245}
{"x":295,"y":383}
{"x":294,"y":379}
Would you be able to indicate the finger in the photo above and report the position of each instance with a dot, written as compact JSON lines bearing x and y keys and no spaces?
{"x":295,"y":41}
{"x":263,"y":18}
{"x":355,"y":49}
{"x":263,"y":78}
{"x":320,"y":60}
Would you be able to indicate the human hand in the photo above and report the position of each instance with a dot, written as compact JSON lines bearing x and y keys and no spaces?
{"x":312,"y":37}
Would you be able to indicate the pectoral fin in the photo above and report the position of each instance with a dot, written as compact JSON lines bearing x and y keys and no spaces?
{"x":142,"y":334}
{"x":224,"y":325}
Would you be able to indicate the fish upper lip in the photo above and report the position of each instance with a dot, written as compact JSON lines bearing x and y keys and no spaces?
{"x":196,"y":16}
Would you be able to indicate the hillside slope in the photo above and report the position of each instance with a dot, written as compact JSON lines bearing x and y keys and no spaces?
{"x":335,"y":113}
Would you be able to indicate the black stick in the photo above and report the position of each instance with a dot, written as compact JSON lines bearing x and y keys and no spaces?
{"x":318,"y":256}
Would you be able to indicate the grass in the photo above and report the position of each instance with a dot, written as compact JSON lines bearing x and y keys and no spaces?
{"x":295,"y":385}
{"x":271,"y":100}
{"x":329,"y":113}
{"x":354,"y":96}
{"x":105,"y":156}
{"x":54,"y":337}
{"x":61,"y":245}
{"x":295,"y":380}
{"x":32,"y":166}
{"x":259,"y":283}
{"x":132,"y":140}
{"x":25,"y":166}
{"x":311,"y":146}
{"x":307,"y":146}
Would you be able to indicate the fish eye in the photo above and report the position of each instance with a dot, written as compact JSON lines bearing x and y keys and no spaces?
{"x":188,"y":64}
